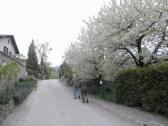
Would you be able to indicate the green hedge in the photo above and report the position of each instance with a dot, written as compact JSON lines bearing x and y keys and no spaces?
{"x":146,"y":87}
{"x":22,"y":90}
{"x":4,"y":98}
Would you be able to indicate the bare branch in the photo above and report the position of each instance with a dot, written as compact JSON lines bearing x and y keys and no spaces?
{"x":130,"y":53}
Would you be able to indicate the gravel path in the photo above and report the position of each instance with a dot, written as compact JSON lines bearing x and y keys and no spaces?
{"x":53,"y":105}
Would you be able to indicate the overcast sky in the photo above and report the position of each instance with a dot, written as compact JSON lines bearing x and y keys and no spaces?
{"x":55,"y":21}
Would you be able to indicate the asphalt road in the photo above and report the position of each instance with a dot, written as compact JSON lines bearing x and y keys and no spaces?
{"x":53,"y":105}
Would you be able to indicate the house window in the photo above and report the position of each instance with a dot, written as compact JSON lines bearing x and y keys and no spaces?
{"x":5,"y":50}
{"x":8,"y":41}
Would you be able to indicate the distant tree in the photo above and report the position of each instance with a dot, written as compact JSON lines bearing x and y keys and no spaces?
{"x":47,"y":71}
{"x":32,"y":62}
{"x":54,"y":72}
{"x":65,"y":71}
{"x":43,"y":50}
{"x":60,"y":72}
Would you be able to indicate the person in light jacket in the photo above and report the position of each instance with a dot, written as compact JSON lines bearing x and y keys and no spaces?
{"x":75,"y":84}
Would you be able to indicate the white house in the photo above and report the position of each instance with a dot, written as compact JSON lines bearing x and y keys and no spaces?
{"x":8,"y":45}
{"x":9,"y":51}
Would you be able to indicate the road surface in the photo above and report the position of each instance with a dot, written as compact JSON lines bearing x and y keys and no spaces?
{"x":53,"y":105}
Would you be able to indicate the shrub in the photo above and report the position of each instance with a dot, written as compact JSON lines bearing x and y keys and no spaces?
{"x":4,"y":98}
{"x":22,"y":90}
{"x":146,"y":87}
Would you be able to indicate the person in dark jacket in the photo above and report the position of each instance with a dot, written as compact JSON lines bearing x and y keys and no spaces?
{"x":75,"y":84}
{"x":84,"y":91}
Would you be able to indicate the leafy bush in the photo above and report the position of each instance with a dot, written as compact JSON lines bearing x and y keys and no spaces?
{"x":65,"y":72}
{"x":28,"y":79}
{"x":8,"y":74}
{"x":22,"y":90}
{"x":9,"y":71}
{"x":146,"y":87}
{"x":4,"y":98}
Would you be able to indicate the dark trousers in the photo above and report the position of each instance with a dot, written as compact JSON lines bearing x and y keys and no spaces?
{"x":84,"y":95}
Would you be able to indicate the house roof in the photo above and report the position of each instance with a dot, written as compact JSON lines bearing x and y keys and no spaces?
{"x":13,"y":42}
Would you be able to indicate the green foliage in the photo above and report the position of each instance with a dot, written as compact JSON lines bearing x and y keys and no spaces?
{"x":47,"y":71}
{"x":32,"y":62}
{"x":65,"y":71}
{"x":9,"y":71}
{"x":55,"y":73}
{"x":22,"y":90}
{"x":146,"y":87}
{"x":44,"y":67}
{"x":103,"y":91}
{"x":7,"y":74}
{"x":4,"y":99}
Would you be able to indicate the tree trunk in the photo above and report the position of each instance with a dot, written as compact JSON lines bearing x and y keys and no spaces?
{"x":139,"y":48}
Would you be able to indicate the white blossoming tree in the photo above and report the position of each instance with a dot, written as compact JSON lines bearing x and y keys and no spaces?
{"x":126,"y":34}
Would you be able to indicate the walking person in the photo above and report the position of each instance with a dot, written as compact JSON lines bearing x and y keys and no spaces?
{"x":84,"y":91}
{"x":75,"y":84}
